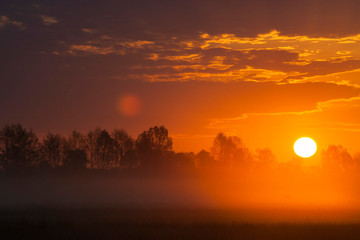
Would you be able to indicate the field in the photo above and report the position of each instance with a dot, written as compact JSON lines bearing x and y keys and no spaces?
{"x":158,"y":224}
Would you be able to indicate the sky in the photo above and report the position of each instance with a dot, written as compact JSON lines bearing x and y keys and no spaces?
{"x":266,"y":71}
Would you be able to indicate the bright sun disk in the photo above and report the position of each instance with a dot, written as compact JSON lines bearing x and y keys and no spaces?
{"x":305,"y":147}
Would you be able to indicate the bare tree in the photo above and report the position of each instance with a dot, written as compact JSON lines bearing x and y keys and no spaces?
{"x":19,"y":147}
{"x":104,"y":150}
{"x":154,"y":145}
{"x":53,"y":149}
{"x":265,"y":159}
{"x":337,"y":158}
{"x":90,"y":146}
{"x":204,"y":159}
{"x":124,"y":148}
{"x":75,"y":141}
{"x":230,"y":151}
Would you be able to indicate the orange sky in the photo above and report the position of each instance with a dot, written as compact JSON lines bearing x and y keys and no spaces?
{"x":266,"y":72}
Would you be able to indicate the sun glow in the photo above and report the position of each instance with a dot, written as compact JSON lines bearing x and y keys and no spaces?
{"x":305,"y":147}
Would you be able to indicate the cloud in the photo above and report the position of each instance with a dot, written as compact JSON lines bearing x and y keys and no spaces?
{"x":335,"y":114}
{"x":4,"y":21}
{"x":90,"y":49}
{"x":350,"y":78}
{"x":107,"y":45}
{"x":226,"y":57}
{"x":48,"y":20}
{"x":88,"y":30}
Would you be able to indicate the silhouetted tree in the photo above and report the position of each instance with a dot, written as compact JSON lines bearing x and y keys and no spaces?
{"x":75,"y":160}
{"x":184,"y":160}
{"x":91,"y":146}
{"x":75,"y":141}
{"x":230,"y":151}
{"x":19,"y":147}
{"x":337,"y":158}
{"x":357,"y":160}
{"x":124,"y":148}
{"x":243,"y":156}
{"x":53,"y":149}
{"x":153,"y":146}
{"x":265,"y":159}
{"x":104,"y":150}
{"x":204,"y":159}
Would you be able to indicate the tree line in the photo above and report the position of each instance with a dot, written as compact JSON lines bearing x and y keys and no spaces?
{"x":99,"y":149}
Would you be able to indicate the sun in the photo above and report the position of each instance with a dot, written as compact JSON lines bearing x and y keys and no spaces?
{"x":305,"y":147}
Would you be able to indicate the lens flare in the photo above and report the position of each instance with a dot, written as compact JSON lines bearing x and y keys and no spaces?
{"x":129,"y":105}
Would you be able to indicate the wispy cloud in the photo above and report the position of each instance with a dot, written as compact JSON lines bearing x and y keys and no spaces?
{"x":343,"y":110}
{"x":75,"y":49}
{"x":266,"y":57}
{"x":4,"y":21}
{"x":88,"y":30}
{"x":48,"y":20}
{"x":107,"y":45}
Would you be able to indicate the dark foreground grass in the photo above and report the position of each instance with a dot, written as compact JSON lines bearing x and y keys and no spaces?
{"x":134,"y":225}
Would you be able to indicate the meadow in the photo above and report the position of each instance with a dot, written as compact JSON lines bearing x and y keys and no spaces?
{"x":158,"y":224}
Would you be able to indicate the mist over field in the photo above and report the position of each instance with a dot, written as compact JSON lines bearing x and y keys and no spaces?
{"x":112,"y":170}
{"x":101,"y":170}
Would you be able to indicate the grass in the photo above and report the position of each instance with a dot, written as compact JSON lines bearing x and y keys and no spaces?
{"x":138,"y":224}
